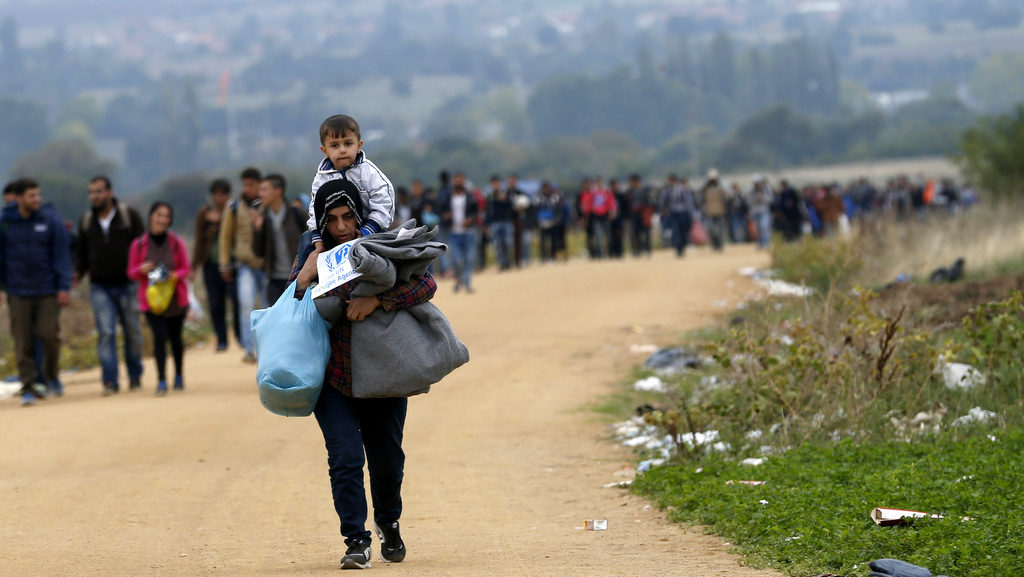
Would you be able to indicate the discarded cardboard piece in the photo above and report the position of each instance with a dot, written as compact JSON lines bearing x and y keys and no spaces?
{"x":884,"y":517}
{"x":595,"y":524}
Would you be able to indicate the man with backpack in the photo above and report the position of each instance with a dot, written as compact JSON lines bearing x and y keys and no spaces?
{"x":105,"y":232}
{"x":276,"y":231}
{"x":237,"y":259}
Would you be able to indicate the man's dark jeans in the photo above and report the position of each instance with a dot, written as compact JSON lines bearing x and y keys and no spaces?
{"x":275,"y":288}
{"x":350,"y":426}
{"x":218,"y":291}
{"x":680,"y":224}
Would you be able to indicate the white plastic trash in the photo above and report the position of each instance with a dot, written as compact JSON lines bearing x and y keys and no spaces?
{"x":959,"y":375}
{"x":651,"y":383}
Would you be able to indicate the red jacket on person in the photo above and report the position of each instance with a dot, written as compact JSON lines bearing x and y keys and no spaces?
{"x":598,"y":202}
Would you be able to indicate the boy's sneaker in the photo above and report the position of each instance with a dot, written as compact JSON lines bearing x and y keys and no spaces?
{"x":357,"y":556}
{"x":392,"y":549}
{"x":161,"y":388}
{"x":57,"y":388}
{"x":179,"y":383}
{"x":28,"y":399}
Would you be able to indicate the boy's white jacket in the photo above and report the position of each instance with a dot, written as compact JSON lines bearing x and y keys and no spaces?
{"x":376,"y":191}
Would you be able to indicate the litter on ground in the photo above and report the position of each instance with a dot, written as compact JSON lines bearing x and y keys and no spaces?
{"x":672,"y":360}
{"x":884,"y":517}
{"x":958,"y":375}
{"x":974,"y":416}
{"x":780,"y":288}
{"x":9,"y":390}
{"x":651,"y":383}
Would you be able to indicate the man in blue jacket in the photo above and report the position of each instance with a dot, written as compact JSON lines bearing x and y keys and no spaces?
{"x":35,"y":272}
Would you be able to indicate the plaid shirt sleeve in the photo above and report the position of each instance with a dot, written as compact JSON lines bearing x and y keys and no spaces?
{"x":404,"y":295}
{"x":296,"y":268}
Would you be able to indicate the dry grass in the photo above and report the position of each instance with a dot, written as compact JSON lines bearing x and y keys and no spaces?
{"x":985,"y":236}
{"x":78,"y":335}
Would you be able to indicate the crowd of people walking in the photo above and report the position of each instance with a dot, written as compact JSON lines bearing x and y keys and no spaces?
{"x":512,"y":220}
{"x":243,"y":247}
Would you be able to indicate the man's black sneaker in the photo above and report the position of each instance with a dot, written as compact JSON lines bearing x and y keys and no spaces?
{"x":357,"y":556}
{"x":392,"y":549}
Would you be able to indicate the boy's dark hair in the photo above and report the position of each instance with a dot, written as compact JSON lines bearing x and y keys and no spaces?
{"x":251,"y":173}
{"x":276,"y":180}
{"x":23,"y":184}
{"x":220,"y":185}
{"x":338,"y":125}
{"x":102,"y":178}
{"x":10,"y":187}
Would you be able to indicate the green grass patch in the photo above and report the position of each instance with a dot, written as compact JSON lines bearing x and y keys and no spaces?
{"x":817,"y":517}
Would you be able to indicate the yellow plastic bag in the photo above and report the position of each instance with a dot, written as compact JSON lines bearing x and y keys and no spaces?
{"x":159,"y":294}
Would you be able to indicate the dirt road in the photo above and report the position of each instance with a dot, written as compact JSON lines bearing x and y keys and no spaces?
{"x":504,"y":458}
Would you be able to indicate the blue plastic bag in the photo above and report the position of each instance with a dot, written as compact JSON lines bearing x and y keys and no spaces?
{"x":292,"y":351}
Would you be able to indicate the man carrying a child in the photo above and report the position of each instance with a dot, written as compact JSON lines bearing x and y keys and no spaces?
{"x":354,"y":427}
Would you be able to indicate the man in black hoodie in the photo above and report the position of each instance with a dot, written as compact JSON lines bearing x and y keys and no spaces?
{"x":105,"y":233}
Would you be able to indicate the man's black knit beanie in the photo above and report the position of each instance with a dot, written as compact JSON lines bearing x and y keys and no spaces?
{"x":332,"y":194}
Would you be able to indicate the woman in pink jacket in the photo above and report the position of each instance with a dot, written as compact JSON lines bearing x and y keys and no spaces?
{"x":159,"y":246}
